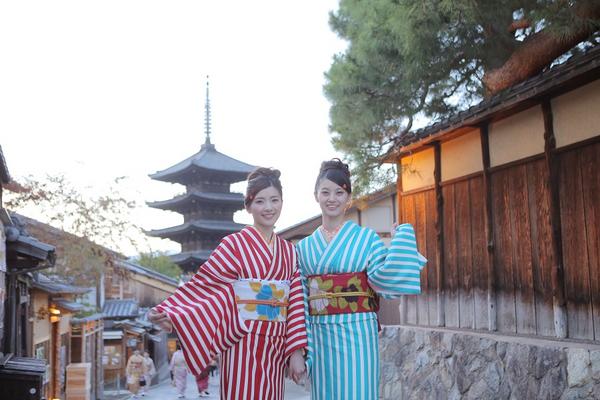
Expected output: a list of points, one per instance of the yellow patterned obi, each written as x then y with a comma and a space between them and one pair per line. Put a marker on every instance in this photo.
263, 300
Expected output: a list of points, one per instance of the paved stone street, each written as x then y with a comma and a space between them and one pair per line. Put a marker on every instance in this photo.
165, 391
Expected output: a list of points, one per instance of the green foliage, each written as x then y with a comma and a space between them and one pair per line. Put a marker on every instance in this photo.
408, 62
160, 262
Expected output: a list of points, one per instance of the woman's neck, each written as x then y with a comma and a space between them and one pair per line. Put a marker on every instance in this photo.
266, 232
332, 223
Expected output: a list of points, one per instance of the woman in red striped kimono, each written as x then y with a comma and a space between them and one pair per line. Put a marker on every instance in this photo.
245, 303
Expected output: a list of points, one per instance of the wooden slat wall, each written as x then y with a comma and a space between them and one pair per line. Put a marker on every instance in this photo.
479, 253
418, 209
523, 254
580, 215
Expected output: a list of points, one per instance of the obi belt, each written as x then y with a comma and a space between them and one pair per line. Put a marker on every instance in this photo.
340, 294
263, 300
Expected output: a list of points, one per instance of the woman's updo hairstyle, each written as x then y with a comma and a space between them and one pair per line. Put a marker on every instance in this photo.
336, 171
259, 179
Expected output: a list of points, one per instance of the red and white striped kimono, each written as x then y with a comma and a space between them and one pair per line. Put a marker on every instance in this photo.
205, 316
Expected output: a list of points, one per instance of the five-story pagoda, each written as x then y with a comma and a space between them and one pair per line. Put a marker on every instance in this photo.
207, 205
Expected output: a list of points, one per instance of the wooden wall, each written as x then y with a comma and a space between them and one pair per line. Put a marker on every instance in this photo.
522, 246
579, 178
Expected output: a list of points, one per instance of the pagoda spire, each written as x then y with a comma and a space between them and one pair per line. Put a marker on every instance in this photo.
207, 115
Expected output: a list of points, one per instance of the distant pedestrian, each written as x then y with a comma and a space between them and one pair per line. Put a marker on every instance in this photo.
150, 372
135, 372
202, 382
213, 366
180, 371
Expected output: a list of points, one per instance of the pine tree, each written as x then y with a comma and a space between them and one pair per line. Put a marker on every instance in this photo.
410, 61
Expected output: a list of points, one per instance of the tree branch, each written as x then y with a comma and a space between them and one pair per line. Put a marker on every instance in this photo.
519, 24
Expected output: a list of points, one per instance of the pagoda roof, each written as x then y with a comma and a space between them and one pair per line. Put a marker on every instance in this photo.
198, 257
210, 226
236, 199
209, 159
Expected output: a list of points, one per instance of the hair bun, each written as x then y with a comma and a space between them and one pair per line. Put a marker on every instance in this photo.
335, 163
266, 172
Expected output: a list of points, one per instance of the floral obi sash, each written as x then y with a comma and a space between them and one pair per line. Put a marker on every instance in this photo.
340, 294
261, 299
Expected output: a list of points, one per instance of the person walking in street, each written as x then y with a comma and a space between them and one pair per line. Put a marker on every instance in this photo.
245, 302
202, 382
179, 369
135, 372
345, 267
150, 372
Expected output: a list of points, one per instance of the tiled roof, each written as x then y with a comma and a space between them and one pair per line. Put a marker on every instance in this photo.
4, 176
138, 269
235, 199
68, 305
191, 256
207, 158
48, 285
583, 67
89, 318
125, 308
21, 245
199, 225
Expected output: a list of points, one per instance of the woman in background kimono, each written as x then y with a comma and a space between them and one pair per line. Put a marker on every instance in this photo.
179, 370
343, 265
245, 303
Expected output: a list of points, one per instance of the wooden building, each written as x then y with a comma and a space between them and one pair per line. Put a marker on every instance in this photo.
21, 375
87, 348
505, 201
52, 308
127, 280
207, 205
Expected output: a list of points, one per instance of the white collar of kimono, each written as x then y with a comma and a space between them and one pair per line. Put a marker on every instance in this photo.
330, 249
260, 240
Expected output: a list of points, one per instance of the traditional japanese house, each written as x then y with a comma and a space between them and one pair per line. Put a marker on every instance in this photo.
120, 280
207, 205
505, 201
21, 375
87, 347
52, 308
128, 280
126, 330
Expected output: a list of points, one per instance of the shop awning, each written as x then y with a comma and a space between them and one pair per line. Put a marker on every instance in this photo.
155, 338
68, 305
112, 335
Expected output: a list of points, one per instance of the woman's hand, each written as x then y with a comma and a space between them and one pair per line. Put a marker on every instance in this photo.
297, 368
161, 319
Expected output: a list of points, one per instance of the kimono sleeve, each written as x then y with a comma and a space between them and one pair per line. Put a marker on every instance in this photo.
203, 311
396, 271
296, 327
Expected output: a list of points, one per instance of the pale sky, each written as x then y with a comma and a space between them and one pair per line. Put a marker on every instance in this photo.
103, 89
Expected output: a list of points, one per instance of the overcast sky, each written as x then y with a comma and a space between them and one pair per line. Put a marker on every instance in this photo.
103, 89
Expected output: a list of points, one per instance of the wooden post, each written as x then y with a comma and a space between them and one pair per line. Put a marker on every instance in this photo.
489, 227
439, 231
403, 305
558, 285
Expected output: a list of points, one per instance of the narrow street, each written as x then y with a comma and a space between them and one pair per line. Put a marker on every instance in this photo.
165, 391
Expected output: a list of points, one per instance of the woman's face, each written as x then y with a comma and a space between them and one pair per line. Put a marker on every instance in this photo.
266, 208
332, 198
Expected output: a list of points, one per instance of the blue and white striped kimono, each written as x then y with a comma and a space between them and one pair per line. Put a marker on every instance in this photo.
343, 356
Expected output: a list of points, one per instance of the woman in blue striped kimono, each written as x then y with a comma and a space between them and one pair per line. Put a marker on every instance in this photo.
343, 264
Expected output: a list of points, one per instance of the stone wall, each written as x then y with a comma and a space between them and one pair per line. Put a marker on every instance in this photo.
421, 363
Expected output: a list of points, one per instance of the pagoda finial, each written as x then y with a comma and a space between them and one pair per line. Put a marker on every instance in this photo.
207, 115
